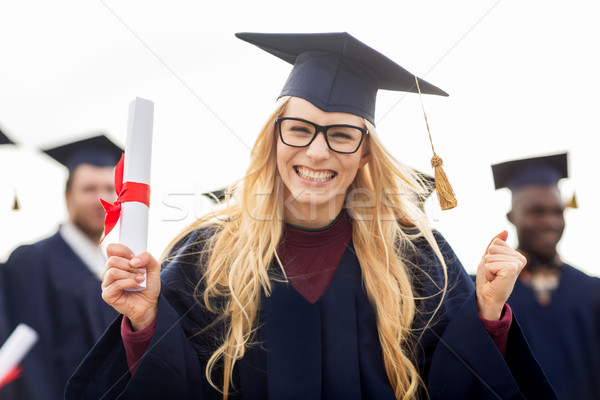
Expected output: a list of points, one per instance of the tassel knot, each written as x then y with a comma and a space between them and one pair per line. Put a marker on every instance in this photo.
436, 161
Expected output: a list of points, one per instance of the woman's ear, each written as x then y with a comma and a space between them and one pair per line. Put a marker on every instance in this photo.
365, 159
366, 155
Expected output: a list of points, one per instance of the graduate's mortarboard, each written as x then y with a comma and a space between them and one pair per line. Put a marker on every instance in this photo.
427, 180
338, 73
428, 183
544, 170
99, 151
6, 140
216, 196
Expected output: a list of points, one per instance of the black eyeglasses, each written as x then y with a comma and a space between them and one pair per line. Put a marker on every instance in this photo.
297, 132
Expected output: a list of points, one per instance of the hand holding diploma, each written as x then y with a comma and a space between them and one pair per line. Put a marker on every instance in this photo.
130, 269
496, 276
121, 278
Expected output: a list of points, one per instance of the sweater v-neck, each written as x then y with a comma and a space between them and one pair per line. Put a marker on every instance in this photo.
310, 257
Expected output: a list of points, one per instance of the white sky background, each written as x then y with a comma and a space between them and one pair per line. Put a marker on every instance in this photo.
522, 78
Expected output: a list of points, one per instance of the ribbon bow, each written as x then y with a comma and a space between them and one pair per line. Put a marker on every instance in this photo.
126, 192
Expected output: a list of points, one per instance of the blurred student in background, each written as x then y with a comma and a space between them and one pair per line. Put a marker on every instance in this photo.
557, 305
54, 285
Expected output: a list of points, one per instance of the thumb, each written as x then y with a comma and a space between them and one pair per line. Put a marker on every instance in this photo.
502, 236
145, 260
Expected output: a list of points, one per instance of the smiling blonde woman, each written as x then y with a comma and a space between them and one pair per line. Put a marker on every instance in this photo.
320, 278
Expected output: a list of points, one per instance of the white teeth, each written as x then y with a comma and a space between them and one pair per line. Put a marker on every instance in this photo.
314, 175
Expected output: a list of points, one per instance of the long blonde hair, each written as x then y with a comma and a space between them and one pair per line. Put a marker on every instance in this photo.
249, 229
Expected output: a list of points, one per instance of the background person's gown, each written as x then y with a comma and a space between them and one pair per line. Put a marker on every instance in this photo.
8, 391
565, 335
49, 288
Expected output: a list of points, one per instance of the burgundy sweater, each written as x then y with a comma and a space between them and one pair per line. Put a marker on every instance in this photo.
310, 259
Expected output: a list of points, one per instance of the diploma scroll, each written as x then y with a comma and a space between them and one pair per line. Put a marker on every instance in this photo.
138, 150
16, 347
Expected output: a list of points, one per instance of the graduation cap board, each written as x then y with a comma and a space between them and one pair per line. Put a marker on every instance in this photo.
216, 196
4, 139
544, 170
338, 73
427, 180
427, 183
99, 151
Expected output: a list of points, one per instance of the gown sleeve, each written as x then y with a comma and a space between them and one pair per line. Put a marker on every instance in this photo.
459, 358
173, 365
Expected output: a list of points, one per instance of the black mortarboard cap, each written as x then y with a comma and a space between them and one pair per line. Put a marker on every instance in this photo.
4, 139
428, 184
544, 170
427, 181
337, 72
99, 151
216, 196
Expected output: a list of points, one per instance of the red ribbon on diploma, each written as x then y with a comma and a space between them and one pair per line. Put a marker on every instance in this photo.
11, 376
126, 192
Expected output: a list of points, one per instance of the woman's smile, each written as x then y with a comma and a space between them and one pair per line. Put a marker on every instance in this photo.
314, 176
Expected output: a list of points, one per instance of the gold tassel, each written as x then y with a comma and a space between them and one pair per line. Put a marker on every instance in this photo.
442, 185
572, 203
444, 190
16, 206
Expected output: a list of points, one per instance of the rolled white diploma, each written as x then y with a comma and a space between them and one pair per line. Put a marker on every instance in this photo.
138, 151
16, 347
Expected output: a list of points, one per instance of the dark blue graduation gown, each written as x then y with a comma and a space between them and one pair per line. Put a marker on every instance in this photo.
8, 391
326, 350
4, 324
565, 335
49, 288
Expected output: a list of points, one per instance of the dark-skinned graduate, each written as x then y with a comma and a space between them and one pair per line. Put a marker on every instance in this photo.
558, 306
54, 285
333, 286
